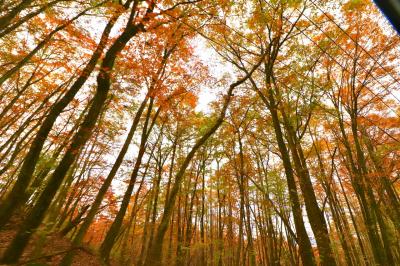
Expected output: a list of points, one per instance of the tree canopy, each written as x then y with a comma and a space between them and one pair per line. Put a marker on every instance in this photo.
200, 132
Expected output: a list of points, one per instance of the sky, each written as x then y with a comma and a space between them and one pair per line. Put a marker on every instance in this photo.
219, 69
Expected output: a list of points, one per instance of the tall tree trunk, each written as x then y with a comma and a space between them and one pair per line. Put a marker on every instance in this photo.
112, 233
16, 196
154, 257
315, 215
35, 217
67, 260
302, 237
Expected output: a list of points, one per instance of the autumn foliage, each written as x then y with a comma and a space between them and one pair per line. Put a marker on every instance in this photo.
201, 132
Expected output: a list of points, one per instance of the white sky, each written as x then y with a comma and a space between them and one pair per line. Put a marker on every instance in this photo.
217, 68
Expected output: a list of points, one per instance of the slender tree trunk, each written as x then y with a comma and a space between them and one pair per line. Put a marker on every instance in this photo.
302, 237
103, 189
315, 215
112, 233
154, 257
16, 196
35, 217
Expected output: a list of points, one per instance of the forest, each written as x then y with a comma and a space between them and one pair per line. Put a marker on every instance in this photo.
199, 132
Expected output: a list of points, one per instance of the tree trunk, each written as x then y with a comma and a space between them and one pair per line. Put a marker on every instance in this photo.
36, 215
154, 257
16, 196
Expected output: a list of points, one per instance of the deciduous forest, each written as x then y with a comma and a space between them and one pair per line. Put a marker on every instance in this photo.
199, 132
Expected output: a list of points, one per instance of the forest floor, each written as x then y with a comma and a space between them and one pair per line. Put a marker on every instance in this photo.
50, 253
